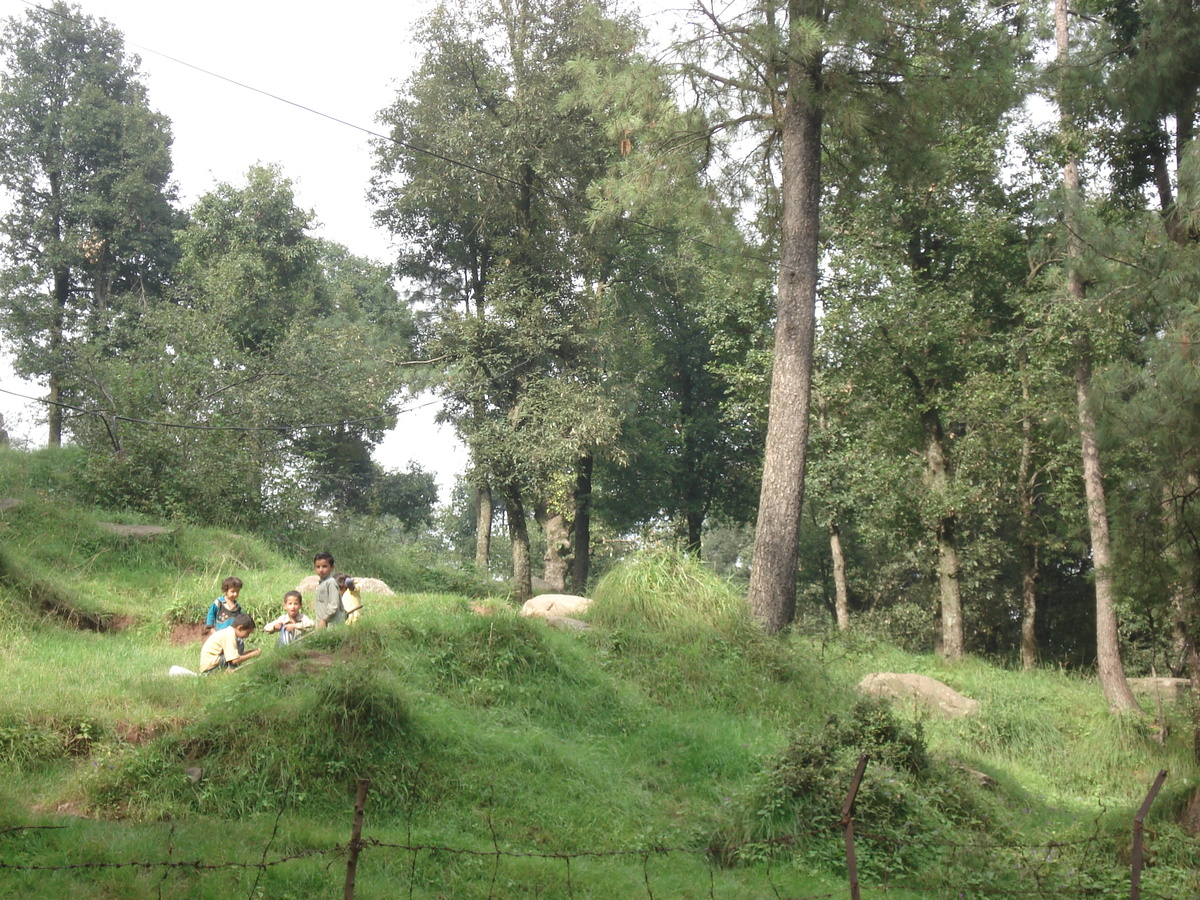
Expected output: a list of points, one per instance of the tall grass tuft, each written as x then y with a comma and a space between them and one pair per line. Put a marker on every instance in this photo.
668, 590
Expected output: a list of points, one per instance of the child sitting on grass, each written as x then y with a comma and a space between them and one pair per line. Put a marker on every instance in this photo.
225, 607
350, 597
226, 647
293, 623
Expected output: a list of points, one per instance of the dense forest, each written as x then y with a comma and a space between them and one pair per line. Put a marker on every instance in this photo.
884, 307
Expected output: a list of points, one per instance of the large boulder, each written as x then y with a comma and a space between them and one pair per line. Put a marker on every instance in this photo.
545, 605
1169, 690
308, 585
922, 690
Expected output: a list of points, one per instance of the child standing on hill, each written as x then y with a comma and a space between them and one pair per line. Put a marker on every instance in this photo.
226, 647
225, 607
327, 605
293, 623
351, 598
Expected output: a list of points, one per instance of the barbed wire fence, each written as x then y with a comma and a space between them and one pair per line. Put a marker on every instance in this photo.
1033, 866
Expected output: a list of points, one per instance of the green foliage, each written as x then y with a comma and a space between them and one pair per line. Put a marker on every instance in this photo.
87, 165
257, 396
799, 797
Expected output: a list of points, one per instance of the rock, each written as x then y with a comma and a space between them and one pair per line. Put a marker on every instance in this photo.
308, 586
135, 530
195, 774
373, 586
545, 605
1171, 690
566, 623
980, 778
10, 503
926, 691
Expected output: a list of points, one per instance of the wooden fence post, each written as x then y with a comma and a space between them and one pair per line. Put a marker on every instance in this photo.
355, 838
848, 825
1135, 879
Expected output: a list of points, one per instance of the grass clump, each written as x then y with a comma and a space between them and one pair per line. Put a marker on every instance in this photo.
795, 805
667, 590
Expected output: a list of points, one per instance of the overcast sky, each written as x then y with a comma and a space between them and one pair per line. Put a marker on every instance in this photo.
341, 61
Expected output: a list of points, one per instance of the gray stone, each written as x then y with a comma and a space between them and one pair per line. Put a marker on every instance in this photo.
545, 605
922, 690
1171, 690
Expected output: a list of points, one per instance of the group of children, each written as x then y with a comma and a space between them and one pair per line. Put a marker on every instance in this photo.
227, 627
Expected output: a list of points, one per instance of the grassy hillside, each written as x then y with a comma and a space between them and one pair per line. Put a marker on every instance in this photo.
669, 751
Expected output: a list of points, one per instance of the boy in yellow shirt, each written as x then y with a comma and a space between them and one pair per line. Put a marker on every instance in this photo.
226, 648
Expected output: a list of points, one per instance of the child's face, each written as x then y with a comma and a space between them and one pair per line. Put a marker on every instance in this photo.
291, 606
323, 567
231, 596
243, 631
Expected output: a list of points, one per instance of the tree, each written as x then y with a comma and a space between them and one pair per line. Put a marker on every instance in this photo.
246, 420
1108, 648
801, 71
87, 165
493, 223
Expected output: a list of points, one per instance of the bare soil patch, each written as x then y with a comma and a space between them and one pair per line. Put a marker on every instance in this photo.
312, 659
138, 733
182, 635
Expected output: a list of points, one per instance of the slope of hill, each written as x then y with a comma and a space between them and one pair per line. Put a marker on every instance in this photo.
671, 750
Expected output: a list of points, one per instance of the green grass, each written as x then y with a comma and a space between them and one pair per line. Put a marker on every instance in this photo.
520, 761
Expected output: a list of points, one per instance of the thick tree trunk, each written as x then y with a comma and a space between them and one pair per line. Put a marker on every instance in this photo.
772, 593
582, 561
483, 528
558, 546
1108, 643
518, 533
62, 297
1108, 648
1027, 488
841, 595
937, 479
950, 590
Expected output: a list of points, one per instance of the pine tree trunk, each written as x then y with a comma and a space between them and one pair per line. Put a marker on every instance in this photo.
772, 593
841, 595
1108, 643
1108, 648
1027, 488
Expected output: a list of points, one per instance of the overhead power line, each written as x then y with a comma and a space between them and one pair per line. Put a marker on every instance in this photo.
449, 160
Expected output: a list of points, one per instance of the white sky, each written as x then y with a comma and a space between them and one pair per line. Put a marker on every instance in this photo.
344, 60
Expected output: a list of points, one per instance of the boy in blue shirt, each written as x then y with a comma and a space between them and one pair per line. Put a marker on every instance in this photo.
225, 607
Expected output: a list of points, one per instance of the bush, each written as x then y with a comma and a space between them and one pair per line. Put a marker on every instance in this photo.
798, 797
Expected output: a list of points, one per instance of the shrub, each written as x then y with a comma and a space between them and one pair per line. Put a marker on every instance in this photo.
798, 798
667, 589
